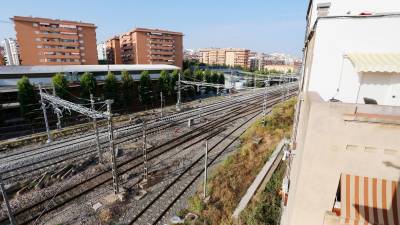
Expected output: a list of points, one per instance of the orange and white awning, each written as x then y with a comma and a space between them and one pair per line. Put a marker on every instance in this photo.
369, 201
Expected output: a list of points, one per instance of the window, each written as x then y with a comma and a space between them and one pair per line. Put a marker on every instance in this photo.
323, 9
36, 32
37, 39
39, 46
35, 25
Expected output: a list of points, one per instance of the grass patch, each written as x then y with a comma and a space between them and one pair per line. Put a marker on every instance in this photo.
230, 180
266, 209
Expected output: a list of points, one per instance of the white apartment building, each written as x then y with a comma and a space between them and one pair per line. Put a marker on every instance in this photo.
11, 51
345, 155
102, 51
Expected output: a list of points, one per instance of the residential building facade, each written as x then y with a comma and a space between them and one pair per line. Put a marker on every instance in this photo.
102, 51
113, 50
11, 52
147, 46
45, 41
233, 57
345, 157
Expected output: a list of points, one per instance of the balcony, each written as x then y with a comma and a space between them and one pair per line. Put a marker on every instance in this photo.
162, 37
59, 43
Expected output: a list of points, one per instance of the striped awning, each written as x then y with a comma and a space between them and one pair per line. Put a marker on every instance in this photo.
375, 62
369, 201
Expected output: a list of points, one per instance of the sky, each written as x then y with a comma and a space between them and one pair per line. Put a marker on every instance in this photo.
259, 25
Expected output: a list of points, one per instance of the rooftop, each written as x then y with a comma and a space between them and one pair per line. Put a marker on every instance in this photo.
81, 68
47, 20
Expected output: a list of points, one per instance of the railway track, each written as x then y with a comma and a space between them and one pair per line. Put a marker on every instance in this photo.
153, 213
157, 122
28, 214
88, 148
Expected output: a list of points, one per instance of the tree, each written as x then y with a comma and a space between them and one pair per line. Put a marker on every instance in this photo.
221, 78
198, 74
145, 88
214, 77
207, 76
187, 74
164, 82
26, 96
127, 88
60, 84
173, 80
88, 84
111, 87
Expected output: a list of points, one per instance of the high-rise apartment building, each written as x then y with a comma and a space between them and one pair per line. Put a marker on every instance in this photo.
55, 42
101, 51
11, 52
113, 50
225, 56
147, 46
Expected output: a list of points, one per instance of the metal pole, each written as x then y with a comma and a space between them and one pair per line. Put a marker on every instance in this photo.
5, 199
57, 111
96, 130
200, 110
145, 169
265, 100
112, 147
232, 84
205, 170
49, 139
178, 103
255, 80
161, 96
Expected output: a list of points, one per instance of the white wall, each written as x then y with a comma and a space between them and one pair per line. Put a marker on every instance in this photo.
334, 38
355, 7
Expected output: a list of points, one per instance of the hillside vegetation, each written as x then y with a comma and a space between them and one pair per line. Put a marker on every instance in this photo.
230, 180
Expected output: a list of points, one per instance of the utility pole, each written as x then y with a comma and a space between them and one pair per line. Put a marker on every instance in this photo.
265, 100
232, 84
5, 199
287, 87
49, 139
161, 96
145, 168
200, 110
255, 81
112, 147
205, 171
96, 130
57, 110
178, 102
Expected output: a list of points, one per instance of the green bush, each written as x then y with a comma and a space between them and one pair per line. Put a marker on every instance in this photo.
127, 88
60, 84
196, 204
145, 88
26, 96
88, 85
164, 83
111, 87
266, 210
174, 79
